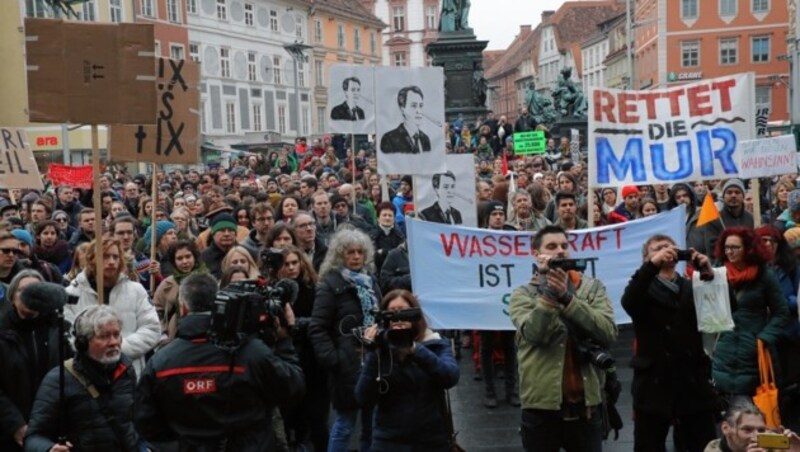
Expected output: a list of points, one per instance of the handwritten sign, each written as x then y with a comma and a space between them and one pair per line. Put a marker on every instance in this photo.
17, 165
684, 133
768, 157
530, 143
90, 73
175, 137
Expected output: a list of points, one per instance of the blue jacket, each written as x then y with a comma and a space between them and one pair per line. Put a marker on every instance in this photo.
789, 286
408, 397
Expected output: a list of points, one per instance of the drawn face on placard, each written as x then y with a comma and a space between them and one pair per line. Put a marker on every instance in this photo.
446, 190
412, 110
353, 92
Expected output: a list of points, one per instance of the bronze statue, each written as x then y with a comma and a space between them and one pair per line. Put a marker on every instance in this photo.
539, 106
568, 97
479, 87
454, 15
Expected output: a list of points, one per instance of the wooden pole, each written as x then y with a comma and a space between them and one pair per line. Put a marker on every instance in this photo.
97, 201
153, 232
353, 147
755, 190
590, 206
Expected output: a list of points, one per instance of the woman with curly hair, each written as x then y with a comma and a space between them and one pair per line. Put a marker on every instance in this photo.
185, 259
346, 295
760, 311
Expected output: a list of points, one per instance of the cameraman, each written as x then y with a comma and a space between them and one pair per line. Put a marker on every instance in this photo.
405, 379
561, 389
211, 398
671, 372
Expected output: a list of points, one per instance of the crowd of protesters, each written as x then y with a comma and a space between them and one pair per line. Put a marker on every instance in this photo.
340, 228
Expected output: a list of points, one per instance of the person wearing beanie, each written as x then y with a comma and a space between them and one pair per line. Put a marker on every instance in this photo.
790, 217
223, 238
626, 211
732, 213
404, 196
166, 236
28, 259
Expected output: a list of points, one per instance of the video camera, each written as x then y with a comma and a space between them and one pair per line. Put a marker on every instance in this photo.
395, 338
251, 307
579, 265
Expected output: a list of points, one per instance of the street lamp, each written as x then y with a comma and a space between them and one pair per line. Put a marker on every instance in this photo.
297, 51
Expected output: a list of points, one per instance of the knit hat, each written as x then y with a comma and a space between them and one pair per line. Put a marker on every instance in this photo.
794, 200
792, 235
629, 190
408, 179
162, 227
494, 206
59, 213
221, 222
733, 183
30, 197
23, 236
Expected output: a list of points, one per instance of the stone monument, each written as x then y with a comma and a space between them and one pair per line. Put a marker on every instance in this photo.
459, 52
568, 108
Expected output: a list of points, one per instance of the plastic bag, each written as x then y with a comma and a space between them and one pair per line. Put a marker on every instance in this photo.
712, 302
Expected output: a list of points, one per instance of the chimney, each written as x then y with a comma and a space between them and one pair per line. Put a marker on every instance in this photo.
546, 15
524, 29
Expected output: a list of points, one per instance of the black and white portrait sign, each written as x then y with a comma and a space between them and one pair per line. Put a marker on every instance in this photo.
351, 103
410, 118
448, 196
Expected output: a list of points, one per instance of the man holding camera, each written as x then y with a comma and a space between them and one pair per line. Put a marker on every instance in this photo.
671, 372
209, 397
558, 314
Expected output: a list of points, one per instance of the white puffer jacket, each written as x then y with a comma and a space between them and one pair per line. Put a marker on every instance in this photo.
140, 328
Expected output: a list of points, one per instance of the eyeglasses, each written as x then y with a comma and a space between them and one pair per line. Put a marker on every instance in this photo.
62, 220
732, 248
10, 251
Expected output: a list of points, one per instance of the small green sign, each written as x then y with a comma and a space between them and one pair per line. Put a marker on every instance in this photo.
530, 143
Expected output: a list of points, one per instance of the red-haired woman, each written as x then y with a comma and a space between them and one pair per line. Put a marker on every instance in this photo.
761, 311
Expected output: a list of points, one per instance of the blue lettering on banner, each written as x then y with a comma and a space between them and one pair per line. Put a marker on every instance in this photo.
633, 162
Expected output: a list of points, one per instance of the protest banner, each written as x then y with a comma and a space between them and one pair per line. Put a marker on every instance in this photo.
175, 137
17, 165
74, 176
683, 133
456, 195
766, 157
526, 143
90, 73
351, 103
410, 117
464, 276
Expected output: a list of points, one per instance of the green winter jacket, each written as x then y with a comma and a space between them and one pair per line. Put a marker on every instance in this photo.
761, 312
542, 335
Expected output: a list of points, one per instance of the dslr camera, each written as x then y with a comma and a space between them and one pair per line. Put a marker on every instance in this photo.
579, 265
394, 338
596, 354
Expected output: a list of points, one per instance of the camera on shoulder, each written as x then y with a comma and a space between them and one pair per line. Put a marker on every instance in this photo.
401, 338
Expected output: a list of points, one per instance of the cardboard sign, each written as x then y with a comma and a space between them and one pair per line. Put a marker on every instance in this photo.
17, 166
664, 136
530, 143
90, 73
767, 157
175, 137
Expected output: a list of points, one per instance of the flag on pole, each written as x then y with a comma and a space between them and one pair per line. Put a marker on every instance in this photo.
708, 212
505, 164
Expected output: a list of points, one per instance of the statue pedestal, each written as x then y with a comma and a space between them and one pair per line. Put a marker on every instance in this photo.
461, 55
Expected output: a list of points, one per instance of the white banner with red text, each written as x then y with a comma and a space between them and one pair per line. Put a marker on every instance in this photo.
684, 133
464, 276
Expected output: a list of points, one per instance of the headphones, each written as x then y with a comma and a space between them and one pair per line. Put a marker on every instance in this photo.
80, 343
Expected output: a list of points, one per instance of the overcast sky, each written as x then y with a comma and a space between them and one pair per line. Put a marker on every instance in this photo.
498, 21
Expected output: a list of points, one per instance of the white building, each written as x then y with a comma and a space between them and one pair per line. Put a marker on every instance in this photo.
247, 80
594, 52
413, 24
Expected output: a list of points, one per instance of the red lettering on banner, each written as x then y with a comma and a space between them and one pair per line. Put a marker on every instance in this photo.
475, 247
603, 103
489, 247
699, 100
627, 108
199, 386
505, 245
486, 246
650, 103
724, 88
448, 245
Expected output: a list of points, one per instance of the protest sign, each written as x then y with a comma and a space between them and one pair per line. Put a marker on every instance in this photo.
446, 199
90, 73
351, 103
464, 276
17, 165
530, 143
767, 157
175, 137
684, 133
410, 117
74, 176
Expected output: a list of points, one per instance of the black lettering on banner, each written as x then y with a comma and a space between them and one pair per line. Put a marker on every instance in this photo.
140, 136
12, 148
176, 74
166, 112
491, 275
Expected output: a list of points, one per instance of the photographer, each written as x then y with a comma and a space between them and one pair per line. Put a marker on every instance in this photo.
671, 372
404, 378
29, 341
556, 315
210, 397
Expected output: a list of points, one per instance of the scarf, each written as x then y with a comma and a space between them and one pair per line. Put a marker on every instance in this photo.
366, 295
179, 276
386, 231
737, 277
665, 292
55, 254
